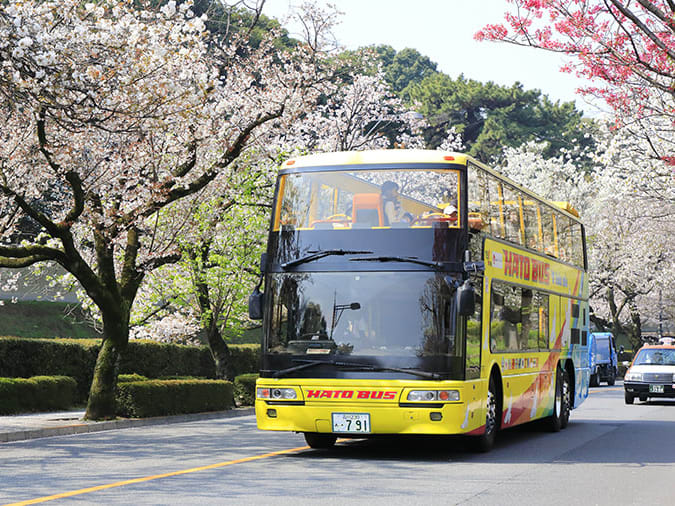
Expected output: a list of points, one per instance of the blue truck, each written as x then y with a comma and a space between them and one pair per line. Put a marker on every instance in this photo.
603, 358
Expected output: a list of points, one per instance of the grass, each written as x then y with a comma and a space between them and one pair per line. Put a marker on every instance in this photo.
44, 319
40, 319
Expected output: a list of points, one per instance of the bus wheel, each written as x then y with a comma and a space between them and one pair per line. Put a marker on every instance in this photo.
567, 400
561, 405
486, 441
612, 378
318, 441
594, 382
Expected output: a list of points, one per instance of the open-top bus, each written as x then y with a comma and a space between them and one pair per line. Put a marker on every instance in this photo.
417, 292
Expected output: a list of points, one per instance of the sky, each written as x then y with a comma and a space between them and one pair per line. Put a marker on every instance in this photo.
443, 30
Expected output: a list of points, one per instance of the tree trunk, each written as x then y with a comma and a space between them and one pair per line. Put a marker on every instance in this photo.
101, 404
220, 353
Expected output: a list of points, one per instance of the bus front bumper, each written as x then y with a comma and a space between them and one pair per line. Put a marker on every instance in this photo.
448, 418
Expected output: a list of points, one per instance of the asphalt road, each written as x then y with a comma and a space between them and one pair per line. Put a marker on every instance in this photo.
610, 454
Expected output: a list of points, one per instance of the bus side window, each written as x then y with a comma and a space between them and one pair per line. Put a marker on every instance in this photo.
496, 206
512, 216
542, 309
505, 317
473, 332
564, 237
478, 197
534, 332
531, 217
547, 231
577, 245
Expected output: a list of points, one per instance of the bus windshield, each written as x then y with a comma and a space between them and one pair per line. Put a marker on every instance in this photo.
342, 200
402, 320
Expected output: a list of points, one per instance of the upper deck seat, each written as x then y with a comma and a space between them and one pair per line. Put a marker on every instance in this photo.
367, 210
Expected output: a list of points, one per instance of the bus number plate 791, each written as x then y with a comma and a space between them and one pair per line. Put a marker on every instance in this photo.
355, 423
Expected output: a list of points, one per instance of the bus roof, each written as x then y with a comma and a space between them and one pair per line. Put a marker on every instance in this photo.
376, 157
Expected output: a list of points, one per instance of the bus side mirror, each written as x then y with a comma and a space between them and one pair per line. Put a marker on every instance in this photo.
263, 263
466, 299
255, 300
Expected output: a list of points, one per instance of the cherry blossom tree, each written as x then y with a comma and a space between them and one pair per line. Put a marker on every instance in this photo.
625, 49
628, 207
633, 221
209, 288
358, 111
113, 116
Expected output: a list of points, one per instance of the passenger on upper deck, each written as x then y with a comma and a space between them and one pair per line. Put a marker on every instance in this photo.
450, 211
393, 211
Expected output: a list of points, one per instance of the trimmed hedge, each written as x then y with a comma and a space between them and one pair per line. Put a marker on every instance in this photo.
23, 358
39, 393
126, 378
141, 399
244, 389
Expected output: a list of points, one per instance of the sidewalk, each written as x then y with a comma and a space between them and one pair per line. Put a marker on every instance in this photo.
61, 423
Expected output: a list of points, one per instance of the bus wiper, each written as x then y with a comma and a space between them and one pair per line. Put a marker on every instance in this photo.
320, 254
412, 260
306, 365
356, 366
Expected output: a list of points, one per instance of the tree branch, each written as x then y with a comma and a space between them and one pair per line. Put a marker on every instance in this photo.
668, 21
643, 28
174, 192
156, 262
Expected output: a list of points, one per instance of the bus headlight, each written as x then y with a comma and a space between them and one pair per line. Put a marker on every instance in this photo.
433, 395
276, 393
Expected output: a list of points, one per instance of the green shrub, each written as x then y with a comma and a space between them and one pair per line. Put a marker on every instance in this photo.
126, 378
245, 358
182, 378
154, 360
244, 389
38, 393
140, 399
23, 358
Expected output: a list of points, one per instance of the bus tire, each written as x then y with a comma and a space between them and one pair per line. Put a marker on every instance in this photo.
486, 441
561, 407
594, 381
567, 399
612, 378
320, 441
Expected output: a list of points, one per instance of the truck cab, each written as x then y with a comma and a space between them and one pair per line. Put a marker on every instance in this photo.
602, 358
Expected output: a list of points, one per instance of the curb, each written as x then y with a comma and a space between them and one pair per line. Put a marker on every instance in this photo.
123, 423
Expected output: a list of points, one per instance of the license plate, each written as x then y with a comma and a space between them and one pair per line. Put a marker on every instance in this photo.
355, 423
656, 389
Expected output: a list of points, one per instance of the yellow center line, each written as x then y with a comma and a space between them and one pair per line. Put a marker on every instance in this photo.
155, 477
615, 389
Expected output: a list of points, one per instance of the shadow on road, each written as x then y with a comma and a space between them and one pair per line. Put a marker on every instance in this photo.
629, 443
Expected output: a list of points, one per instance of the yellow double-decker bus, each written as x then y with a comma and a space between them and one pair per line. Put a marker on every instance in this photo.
418, 292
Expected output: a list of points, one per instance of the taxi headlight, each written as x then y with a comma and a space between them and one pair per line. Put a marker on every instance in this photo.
276, 393
433, 395
633, 376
